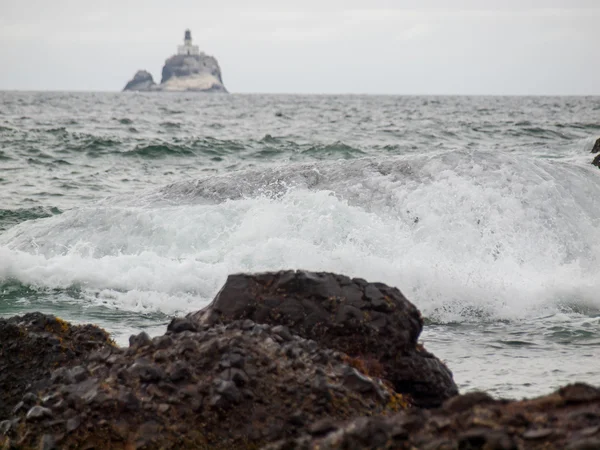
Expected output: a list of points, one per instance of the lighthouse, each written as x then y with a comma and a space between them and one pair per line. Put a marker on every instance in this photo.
187, 48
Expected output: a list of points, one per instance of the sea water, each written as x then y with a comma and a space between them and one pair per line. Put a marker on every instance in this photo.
127, 209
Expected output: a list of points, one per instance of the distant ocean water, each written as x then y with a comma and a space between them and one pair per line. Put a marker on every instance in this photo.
125, 210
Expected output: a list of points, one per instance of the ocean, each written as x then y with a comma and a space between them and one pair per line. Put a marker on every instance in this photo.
127, 209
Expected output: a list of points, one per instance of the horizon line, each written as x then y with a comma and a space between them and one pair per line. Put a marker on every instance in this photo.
378, 94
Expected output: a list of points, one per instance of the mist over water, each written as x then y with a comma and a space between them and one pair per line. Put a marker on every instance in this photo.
125, 210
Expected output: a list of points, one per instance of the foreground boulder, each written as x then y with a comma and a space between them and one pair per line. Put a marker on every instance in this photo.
371, 322
33, 345
568, 419
224, 387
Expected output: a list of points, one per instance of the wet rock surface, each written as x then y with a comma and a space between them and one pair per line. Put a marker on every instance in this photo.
224, 387
566, 419
287, 360
371, 322
33, 345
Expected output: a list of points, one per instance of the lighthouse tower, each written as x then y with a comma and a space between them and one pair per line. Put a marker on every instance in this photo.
187, 48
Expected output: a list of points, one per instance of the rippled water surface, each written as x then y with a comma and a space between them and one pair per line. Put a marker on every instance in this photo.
127, 209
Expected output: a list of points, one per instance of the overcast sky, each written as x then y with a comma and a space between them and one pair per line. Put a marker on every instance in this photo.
310, 46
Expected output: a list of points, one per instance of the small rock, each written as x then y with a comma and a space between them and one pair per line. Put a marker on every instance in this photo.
76, 375
356, 381
179, 371
18, 407
162, 342
38, 413
48, 442
147, 373
466, 401
282, 331
140, 340
51, 399
579, 392
538, 434
73, 423
128, 400
585, 444
181, 324
163, 408
160, 355
30, 398
238, 377
248, 324
7, 425
322, 427
228, 390
590, 431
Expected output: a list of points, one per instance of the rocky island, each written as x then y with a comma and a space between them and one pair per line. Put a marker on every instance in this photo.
190, 70
290, 360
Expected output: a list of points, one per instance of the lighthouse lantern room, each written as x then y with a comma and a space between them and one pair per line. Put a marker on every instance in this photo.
187, 48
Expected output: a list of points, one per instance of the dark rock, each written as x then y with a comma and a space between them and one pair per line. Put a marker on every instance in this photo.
322, 427
7, 425
223, 382
181, 324
579, 392
484, 438
476, 422
227, 387
30, 398
73, 423
464, 402
34, 344
357, 381
228, 390
48, 442
77, 374
179, 371
141, 81
147, 372
38, 413
584, 444
596, 149
282, 331
139, 340
538, 433
371, 322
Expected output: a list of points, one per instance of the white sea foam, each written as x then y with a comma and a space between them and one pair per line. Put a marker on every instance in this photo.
465, 236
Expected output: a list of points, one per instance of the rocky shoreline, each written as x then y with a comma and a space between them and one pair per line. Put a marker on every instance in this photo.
286, 360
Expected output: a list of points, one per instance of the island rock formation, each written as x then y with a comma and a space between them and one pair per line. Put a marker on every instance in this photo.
188, 71
142, 81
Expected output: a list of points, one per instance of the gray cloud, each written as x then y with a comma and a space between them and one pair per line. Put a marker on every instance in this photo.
327, 46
